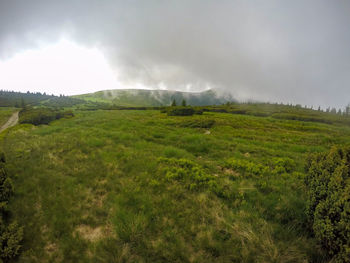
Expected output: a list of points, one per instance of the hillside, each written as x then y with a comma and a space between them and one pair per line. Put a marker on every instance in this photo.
138, 97
217, 187
21, 99
17, 99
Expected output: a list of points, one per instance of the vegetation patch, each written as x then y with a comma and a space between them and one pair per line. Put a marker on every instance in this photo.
277, 166
11, 234
328, 182
42, 115
198, 123
186, 172
89, 233
180, 111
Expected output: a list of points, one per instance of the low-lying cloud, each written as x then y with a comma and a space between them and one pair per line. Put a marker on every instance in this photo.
289, 51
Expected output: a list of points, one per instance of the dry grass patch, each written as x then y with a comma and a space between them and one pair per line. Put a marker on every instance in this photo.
53, 158
51, 248
90, 233
231, 172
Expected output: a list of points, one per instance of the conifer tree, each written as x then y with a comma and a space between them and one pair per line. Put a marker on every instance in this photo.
347, 110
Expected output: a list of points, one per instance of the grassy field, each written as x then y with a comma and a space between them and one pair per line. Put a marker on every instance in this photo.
5, 114
141, 186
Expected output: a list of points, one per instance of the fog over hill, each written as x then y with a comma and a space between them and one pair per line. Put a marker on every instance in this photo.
283, 51
140, 97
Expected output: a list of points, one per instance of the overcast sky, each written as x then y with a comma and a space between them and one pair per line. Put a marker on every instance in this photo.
272, 50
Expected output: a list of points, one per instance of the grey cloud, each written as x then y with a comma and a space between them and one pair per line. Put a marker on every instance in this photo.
290, 51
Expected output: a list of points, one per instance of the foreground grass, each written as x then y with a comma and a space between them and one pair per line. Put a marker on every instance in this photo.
93, 189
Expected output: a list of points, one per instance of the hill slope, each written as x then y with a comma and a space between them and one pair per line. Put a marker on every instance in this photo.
138, 97
215, 187
19, 99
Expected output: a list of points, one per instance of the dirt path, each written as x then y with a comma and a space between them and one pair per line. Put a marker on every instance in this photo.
12, 121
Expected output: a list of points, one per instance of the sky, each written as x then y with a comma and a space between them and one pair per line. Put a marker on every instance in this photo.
268, 50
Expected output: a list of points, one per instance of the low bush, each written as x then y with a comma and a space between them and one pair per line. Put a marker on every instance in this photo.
238, 111
276, 166
198, 111
64, 114
10, 240
301, 117
6, 188
42, 115
282, 165
180, 111
11, 234
198, 123
328, 211
247, 168
187, 172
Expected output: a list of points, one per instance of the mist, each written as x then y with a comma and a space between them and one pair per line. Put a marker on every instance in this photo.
276, 51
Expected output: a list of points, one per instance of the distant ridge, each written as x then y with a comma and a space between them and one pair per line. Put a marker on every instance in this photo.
141, 97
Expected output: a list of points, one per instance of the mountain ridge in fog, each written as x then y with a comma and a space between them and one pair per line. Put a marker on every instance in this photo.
143, 97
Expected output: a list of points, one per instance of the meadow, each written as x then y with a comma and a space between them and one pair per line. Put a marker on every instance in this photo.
5, 114
141, 186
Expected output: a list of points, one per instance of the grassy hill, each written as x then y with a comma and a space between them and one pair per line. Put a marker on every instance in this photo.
141, 186
129, 97
20, 99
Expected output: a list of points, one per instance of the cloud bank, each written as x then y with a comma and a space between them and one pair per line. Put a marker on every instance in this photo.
291, 51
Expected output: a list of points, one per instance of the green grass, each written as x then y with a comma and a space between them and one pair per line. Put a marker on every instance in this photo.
5, 114
96, 187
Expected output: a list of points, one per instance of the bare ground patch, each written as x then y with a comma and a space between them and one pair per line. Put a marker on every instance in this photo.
93, 234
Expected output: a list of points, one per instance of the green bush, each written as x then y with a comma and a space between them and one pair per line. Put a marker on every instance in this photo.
198, 111
328, 183
64, 114
42, 115
187, 172
301, 117
10, 234
180, 111
10, 240
277, 166
6, 188
198, 123
282, 165
247, 167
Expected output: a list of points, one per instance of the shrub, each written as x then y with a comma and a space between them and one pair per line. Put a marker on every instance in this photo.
180, 111
198, 123
282, 165
6, 188
10, 240
42, 115
300, 117
198, 111
10, 234
328, 211
64, 114
277, 166
188, 172
247, 167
